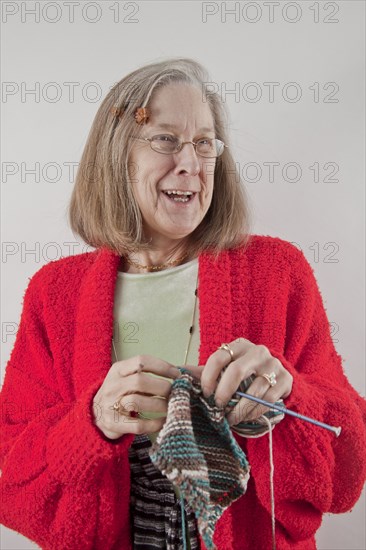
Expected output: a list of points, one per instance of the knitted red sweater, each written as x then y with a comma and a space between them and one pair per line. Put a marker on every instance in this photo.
66, 486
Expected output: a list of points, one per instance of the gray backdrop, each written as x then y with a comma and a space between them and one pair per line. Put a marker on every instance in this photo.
292, 74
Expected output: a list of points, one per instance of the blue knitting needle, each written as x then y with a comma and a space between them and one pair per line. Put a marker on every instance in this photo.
336, 430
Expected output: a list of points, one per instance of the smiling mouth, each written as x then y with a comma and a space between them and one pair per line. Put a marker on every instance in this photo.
180, 196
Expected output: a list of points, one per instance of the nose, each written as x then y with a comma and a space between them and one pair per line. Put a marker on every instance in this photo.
187, 160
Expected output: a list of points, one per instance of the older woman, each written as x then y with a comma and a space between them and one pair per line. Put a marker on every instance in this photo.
176, 280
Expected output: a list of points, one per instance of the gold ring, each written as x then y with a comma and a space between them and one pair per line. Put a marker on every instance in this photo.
227, 348
118, 407
271, 378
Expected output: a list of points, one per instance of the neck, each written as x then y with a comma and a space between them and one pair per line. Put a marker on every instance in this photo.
155, 260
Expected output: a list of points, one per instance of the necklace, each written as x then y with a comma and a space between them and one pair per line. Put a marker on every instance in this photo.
190, 330
155, 267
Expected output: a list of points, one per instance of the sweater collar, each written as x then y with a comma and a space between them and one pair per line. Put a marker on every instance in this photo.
94, 317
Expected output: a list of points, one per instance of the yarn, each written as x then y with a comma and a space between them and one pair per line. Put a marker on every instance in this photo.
271, 483
184, 534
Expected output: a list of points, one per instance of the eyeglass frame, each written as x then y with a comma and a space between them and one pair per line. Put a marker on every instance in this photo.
181, 143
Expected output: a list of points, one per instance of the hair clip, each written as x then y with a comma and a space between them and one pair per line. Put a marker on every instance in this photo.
116, 111
141, 115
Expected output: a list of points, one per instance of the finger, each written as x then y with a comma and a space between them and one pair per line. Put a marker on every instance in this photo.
247, 364
135, 408
217, 362
149, 426
123, 369
141, 426
211, 371
237, 371
241, 412
154, 407
146, 383
247, 410
147, 363
157, 376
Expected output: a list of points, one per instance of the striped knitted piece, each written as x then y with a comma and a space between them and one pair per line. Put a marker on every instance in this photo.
196, 451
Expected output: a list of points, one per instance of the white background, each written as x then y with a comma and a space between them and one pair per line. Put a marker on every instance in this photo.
316, 46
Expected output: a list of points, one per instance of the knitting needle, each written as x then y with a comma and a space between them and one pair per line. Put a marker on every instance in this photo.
336, 430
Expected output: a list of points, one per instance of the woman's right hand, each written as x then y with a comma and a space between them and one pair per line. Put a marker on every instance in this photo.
133, 384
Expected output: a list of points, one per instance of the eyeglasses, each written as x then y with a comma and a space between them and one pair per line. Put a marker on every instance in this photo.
168, 145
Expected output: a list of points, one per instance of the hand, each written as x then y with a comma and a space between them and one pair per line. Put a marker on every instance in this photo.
249, 359
133, 384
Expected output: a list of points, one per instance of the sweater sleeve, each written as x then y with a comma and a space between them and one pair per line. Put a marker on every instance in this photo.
315, 472
56, 465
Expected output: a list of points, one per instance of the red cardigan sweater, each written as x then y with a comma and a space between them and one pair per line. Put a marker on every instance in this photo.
65, 486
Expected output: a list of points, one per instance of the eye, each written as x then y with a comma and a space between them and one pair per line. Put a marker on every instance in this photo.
165, 137
205, 140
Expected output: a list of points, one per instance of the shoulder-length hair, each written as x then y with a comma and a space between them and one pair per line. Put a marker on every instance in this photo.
102, 207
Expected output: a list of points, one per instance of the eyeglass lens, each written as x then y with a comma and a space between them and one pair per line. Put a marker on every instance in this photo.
170, 144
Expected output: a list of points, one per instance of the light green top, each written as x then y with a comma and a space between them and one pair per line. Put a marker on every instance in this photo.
153, 312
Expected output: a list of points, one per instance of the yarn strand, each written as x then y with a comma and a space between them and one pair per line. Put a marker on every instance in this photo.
271, 483
184, 535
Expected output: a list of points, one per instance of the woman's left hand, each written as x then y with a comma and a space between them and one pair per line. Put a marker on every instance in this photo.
249, 359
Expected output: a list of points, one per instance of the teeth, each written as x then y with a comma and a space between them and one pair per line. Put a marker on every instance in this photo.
180, 199
187, 193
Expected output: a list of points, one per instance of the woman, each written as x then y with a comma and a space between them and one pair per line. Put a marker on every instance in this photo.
176, 279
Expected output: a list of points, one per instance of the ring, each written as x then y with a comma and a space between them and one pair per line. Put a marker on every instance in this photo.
271, 378
118, 407
227, 348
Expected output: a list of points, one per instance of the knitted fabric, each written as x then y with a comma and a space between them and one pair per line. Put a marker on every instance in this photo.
197, 452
